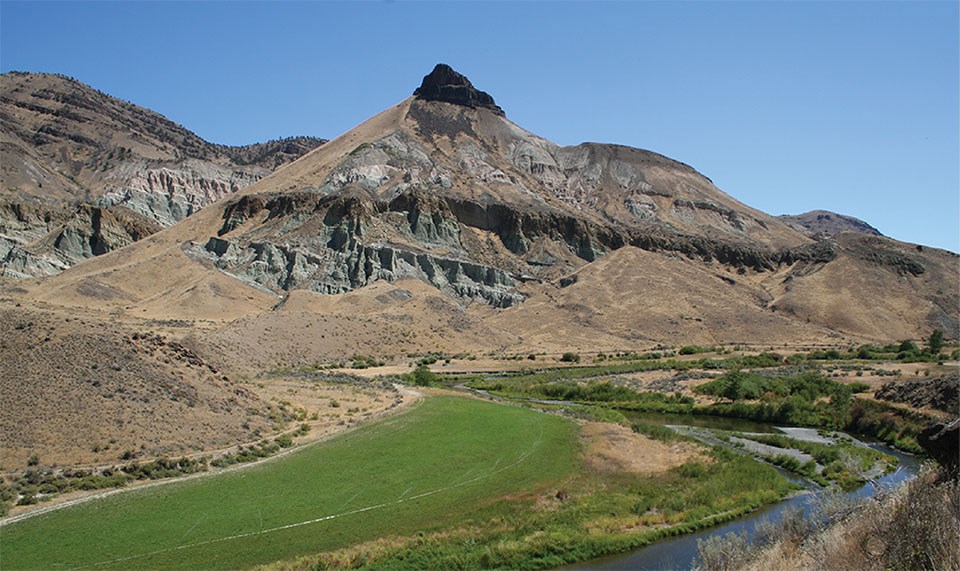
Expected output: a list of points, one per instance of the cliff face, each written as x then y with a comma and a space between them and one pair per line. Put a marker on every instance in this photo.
168, 194
64, 144
45, 242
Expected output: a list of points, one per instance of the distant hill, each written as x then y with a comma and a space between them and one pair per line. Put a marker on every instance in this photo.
83, 173
826, 224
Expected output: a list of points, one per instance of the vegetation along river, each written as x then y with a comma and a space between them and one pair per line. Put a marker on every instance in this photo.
681, 552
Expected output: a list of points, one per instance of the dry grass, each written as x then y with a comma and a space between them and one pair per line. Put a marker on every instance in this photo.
643, 297
86, 391
616, 448
382, 320
916, 526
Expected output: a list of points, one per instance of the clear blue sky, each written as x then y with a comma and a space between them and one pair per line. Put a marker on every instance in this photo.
789, 107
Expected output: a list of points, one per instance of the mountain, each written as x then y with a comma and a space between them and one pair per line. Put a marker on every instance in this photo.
824, 224
519, 244
82, 173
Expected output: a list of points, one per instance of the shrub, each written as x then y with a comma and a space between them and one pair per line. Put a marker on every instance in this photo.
570, 357
908, 346
430, 359
723, 553
364, 362
656, 432
28, 500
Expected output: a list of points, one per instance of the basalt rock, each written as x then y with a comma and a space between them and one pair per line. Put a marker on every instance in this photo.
445, 84
942, 442
941, 393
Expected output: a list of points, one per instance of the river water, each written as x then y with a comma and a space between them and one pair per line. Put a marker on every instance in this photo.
681, 552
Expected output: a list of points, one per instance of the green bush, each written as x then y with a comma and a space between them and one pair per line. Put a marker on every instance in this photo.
422, 376
570, 357
364, 362
695, 349
895, 426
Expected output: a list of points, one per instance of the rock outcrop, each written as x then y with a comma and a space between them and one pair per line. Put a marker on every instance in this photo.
64, 145
941, 393
942, 442
348, 246
169, 194
88, 231
445, 84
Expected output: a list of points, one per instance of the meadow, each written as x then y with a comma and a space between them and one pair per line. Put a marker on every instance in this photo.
416, 472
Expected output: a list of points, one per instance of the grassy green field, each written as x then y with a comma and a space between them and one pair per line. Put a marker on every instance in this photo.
421, 471
603, 513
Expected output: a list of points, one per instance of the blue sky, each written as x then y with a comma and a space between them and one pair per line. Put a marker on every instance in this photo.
789, 107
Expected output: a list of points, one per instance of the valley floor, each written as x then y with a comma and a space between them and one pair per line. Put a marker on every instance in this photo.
455, 481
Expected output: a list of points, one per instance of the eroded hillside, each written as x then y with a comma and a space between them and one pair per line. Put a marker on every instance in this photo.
71, 156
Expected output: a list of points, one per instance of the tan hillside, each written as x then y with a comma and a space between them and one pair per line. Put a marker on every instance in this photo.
876, 288
83, 390
383, 320
633, 297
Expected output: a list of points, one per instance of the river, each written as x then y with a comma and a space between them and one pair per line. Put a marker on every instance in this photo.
681, 552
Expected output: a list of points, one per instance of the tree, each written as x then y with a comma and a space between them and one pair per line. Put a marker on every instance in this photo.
734, 389
935, 342
423, 376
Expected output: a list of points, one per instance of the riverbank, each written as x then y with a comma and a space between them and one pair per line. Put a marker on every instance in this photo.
914, 526
755, 529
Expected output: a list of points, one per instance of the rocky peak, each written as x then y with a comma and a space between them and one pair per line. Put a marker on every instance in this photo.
445, 84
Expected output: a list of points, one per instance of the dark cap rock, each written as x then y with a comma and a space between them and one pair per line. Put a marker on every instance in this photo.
445, 84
